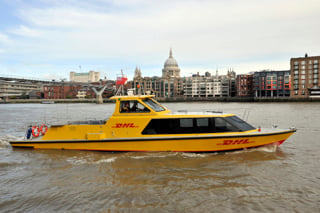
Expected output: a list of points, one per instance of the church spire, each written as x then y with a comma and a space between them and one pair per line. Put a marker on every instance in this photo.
137, 72
170, 53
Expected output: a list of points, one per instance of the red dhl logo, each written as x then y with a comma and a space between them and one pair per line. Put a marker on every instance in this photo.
125, 125
233, 142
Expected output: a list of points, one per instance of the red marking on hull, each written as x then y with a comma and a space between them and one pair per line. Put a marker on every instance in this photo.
278, 143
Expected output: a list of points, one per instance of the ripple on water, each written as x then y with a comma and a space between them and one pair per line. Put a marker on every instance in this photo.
4, 140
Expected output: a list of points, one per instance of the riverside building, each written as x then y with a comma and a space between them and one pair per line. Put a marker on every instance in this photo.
172, 85
23, 88
208, 85
85, 77
305, 75
167, 86
271, 83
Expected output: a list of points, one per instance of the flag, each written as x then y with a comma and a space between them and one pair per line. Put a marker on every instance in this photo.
121, 80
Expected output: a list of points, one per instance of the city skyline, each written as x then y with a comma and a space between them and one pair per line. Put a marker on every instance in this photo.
48, 39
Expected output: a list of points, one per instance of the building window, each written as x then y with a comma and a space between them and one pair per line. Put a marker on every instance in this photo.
303, 62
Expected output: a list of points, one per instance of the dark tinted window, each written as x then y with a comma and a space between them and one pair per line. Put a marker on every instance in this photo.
196, 125
221, 125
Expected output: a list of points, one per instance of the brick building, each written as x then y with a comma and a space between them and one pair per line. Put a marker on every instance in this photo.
244, 84
305, 76
76, 90
61, 91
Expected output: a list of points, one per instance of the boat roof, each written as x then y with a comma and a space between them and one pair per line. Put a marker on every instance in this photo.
211, 113
131, 97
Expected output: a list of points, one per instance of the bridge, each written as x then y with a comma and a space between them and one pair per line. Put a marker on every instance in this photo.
23, 79
11, 85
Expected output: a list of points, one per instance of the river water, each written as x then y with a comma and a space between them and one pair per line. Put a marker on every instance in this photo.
286, 179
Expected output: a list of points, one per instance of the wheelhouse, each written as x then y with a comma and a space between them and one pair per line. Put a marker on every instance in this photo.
138, 104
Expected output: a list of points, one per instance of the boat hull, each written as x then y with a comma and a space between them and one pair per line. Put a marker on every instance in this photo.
195, 143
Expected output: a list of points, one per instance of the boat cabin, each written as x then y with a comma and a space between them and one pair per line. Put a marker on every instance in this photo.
161, 121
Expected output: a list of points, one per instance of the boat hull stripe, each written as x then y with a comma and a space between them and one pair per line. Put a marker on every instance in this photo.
150, 138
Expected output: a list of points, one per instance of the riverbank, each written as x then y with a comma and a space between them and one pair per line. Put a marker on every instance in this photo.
177, 99
241, 99
51, 101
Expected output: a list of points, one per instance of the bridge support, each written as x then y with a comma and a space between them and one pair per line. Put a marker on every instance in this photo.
99, 99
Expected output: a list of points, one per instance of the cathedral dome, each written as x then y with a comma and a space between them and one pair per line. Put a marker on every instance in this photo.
171, 62
171, 68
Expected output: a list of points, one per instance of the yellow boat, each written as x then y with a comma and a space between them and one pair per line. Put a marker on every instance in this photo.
139, 123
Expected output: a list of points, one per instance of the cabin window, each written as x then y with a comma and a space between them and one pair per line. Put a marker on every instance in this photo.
221, 125
196, 125
132, 107
153, 105
202, 122
186, 122
239, 123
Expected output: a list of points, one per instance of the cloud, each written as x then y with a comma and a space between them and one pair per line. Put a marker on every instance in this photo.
26, 31
203, 34
4, 39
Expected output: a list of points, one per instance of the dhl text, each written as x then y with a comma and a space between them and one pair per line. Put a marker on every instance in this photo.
233, 142
124, 125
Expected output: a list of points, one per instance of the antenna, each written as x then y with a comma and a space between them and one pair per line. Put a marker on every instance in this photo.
121, 80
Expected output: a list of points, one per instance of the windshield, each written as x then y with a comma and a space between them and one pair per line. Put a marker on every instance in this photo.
240, 124
153, 105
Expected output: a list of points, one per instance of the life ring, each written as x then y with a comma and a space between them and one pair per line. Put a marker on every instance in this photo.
43, 129
35, 131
